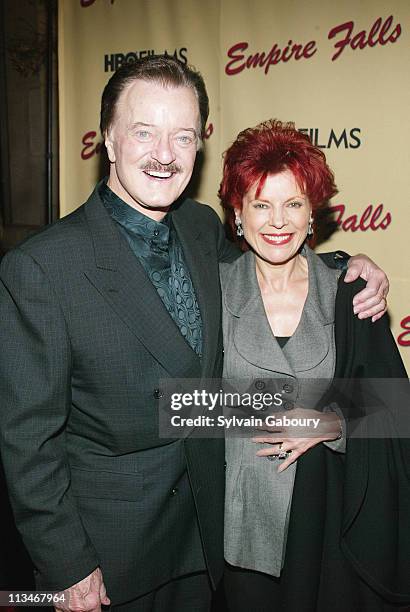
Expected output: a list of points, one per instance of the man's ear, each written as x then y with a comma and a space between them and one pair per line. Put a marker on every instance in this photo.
109, 145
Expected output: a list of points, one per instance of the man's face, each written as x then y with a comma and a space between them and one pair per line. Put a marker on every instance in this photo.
152, 145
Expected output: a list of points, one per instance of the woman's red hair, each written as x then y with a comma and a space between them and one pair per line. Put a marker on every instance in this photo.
269, 148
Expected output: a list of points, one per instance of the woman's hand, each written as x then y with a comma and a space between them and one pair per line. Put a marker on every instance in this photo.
297, 439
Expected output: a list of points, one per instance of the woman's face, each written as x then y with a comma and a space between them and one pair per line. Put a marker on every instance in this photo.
276, 223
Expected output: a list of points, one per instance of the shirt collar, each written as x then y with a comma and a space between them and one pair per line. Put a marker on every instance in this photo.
156, 233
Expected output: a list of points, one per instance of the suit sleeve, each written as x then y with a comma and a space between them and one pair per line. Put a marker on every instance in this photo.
336, 260
35, 401
227, 251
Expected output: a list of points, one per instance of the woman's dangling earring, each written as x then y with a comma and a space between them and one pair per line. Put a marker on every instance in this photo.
239, 228
310, 228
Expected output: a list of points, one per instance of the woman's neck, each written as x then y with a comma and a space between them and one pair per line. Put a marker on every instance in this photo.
280, 276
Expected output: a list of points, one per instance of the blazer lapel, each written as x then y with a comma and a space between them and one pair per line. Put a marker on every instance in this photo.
122, 281
253, 336
204, 273
309, 344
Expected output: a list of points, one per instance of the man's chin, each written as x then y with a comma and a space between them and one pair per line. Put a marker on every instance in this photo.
154, 206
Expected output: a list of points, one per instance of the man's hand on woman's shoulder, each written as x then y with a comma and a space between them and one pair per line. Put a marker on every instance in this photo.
371, 301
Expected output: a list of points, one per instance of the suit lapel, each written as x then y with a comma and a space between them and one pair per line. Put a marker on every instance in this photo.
204, 274
121, 280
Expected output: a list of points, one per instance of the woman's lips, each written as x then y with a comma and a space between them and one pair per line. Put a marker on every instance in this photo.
277, 239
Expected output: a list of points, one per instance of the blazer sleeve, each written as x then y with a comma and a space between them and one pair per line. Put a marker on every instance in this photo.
35, 401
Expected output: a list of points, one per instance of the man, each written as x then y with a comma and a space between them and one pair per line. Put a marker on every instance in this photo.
94, 312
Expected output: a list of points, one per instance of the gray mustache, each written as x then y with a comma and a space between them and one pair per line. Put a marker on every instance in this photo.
155, 167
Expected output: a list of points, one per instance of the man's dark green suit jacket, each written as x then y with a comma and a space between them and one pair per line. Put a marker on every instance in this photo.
85, 340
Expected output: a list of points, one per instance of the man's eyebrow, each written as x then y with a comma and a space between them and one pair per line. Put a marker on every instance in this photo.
178, 129
141, 124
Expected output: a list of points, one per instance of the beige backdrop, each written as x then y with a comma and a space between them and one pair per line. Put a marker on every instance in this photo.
339, 71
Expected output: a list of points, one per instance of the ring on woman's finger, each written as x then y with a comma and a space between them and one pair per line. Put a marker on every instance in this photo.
284, 454
281, 455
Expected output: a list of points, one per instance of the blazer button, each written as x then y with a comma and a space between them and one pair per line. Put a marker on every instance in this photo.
259, 384
288, 405
174, 490
225, 465
287, 388
158, 393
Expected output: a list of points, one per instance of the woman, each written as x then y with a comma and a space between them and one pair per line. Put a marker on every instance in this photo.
310, 535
